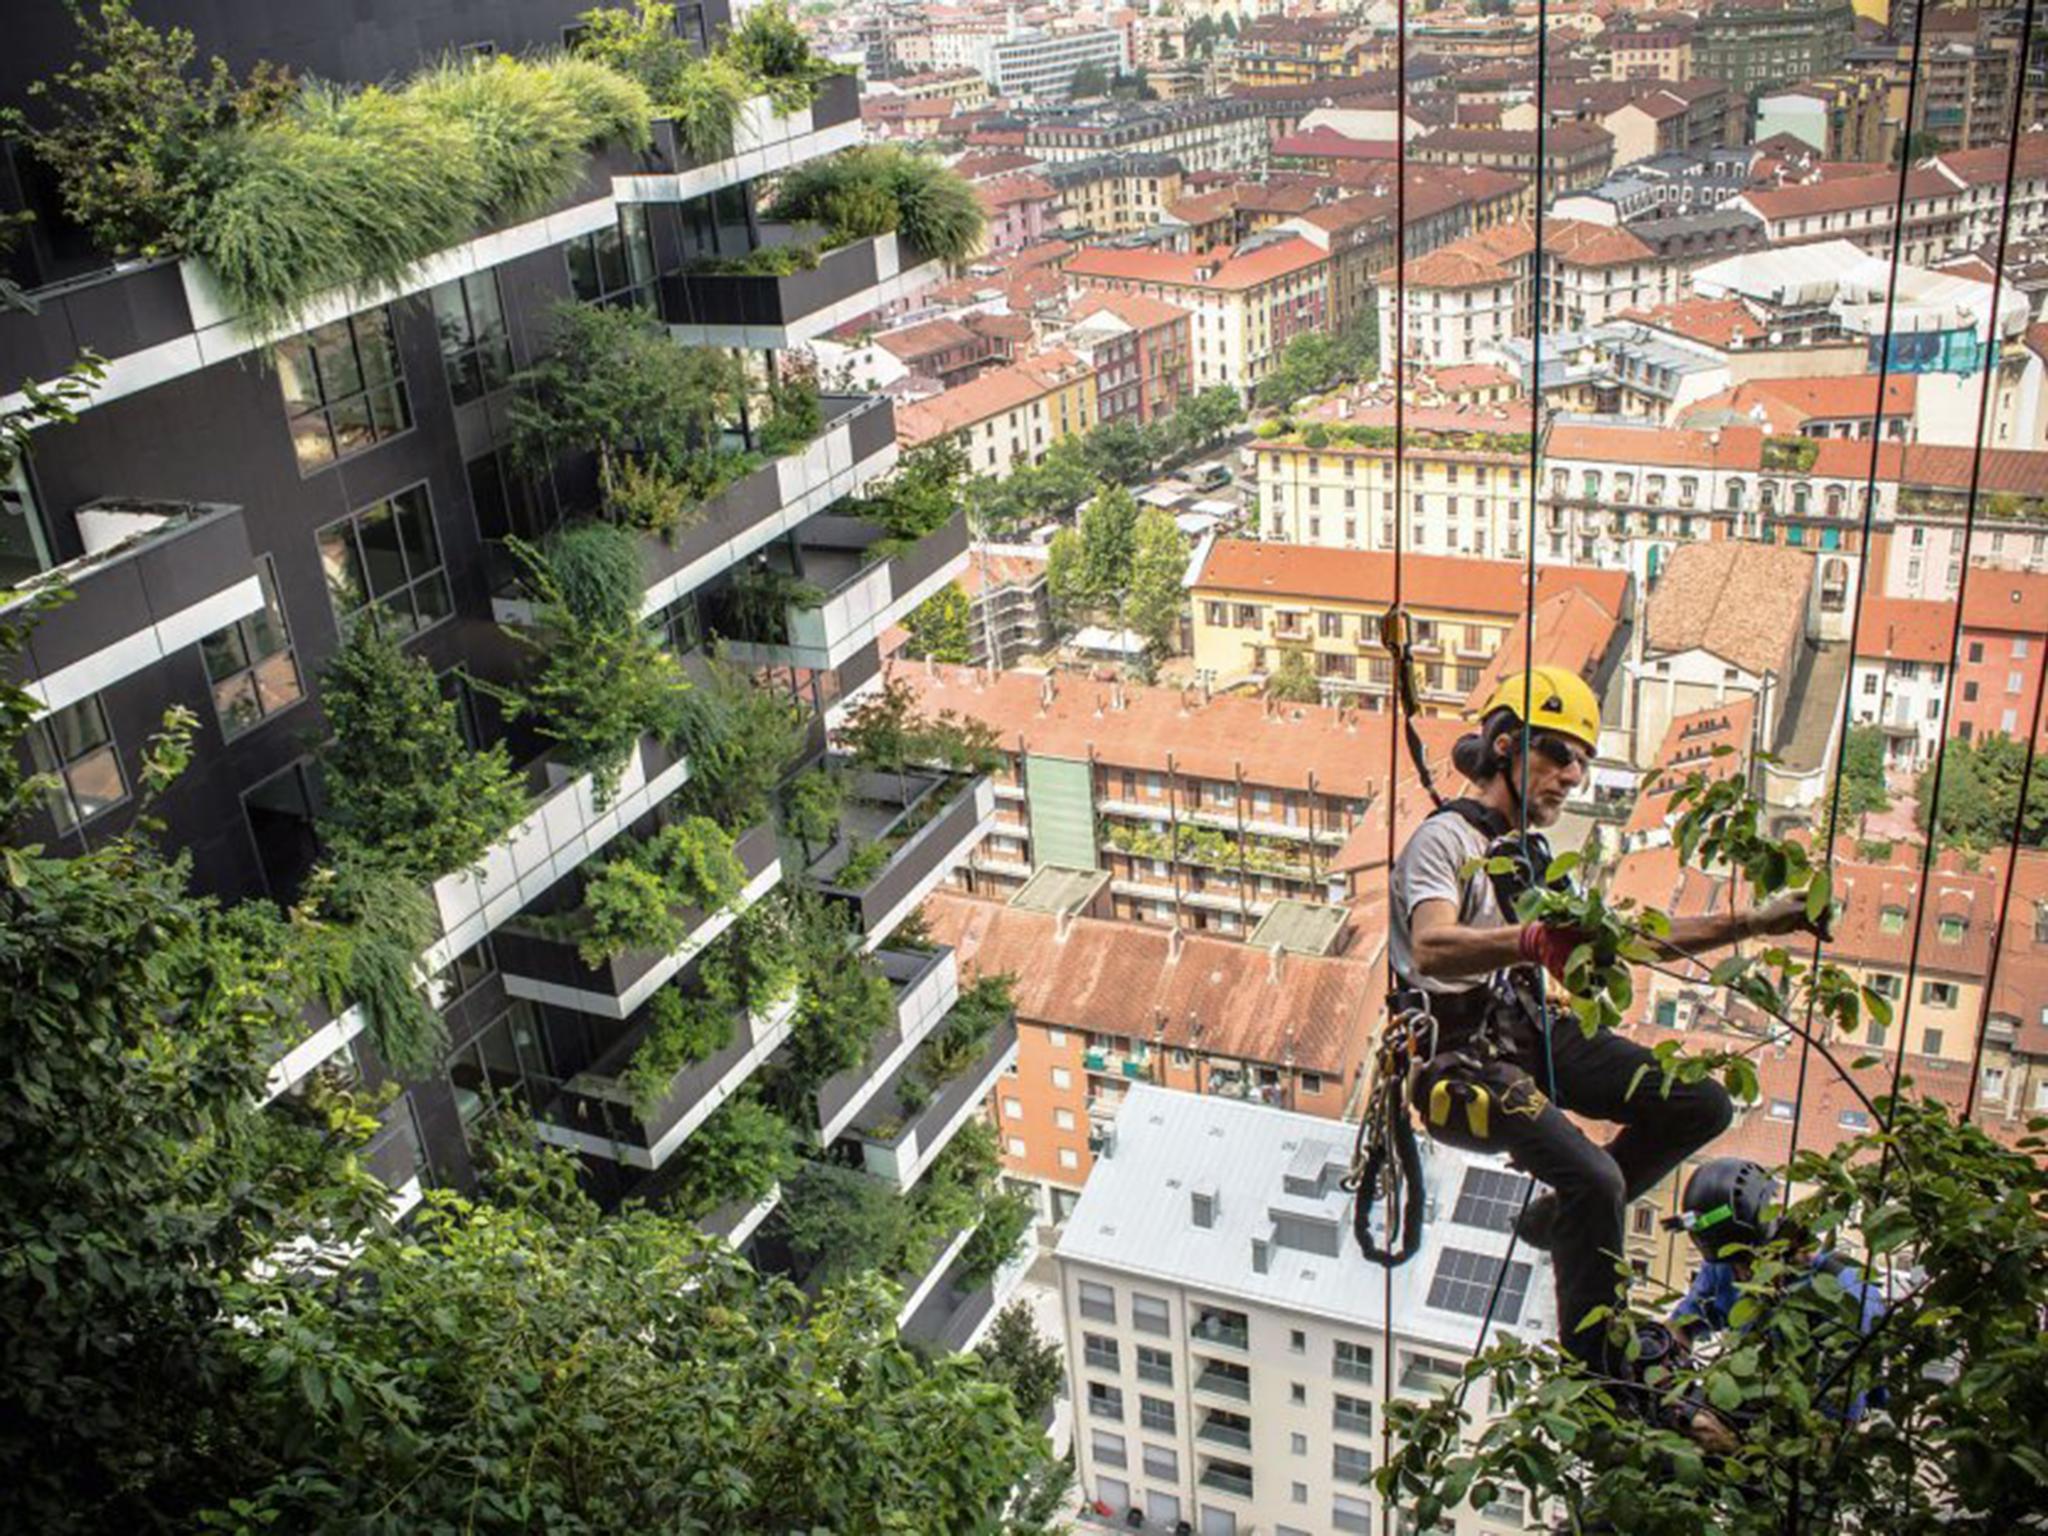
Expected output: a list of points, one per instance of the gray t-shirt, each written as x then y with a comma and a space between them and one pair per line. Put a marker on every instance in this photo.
1430, 869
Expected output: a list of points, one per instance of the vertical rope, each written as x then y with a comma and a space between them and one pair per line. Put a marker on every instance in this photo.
1869, 517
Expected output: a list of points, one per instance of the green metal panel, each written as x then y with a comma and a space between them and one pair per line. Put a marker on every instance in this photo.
1062, 807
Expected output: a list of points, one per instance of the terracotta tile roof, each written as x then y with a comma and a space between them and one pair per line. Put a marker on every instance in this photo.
925, 338
2037, 341
1345, 751
1785, 406
982, 166
1905, 629
1742, 602
1047, 253
1689, 745
1986, 166
1574, 630
1499, 417
1217, 269
1205, 208
1718, 322
994, 392
985, 569
1577, 243
1477, 261
1727, 448
2019, 470
1459, 377
1000, 191
1121, 978
1329, 144
1448, 583
1558, 139
1140, 310
2019, 989
1879, 191
1868, 890
1995, 599
1010, 328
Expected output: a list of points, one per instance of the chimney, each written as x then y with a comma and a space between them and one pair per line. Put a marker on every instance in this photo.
1202, 1205
1262, 1256
1274, 954
1176, 939
1062, 925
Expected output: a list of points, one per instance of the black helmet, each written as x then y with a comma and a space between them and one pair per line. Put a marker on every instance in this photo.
1727, 1206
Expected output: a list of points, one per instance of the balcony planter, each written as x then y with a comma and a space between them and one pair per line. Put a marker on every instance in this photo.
898, 1148
926, 987
863, 596
594, 1113
738, 1221
765, 134
126, 309
857, 446
545, 967
955, 1319
729, 309
950, 816
159, 578
566, 826
325, 1033
919, 1284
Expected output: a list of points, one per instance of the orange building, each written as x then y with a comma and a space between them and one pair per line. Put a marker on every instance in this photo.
1102, 1004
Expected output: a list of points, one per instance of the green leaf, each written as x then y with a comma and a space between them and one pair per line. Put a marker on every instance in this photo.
1820, 895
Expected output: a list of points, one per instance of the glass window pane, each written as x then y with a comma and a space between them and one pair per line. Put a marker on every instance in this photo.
611, 261
79, 728
334, 355
433, 600
277, 682
638, 243
295, 374
389, 413
383, 553
224, 652
583, 269
376, 347
351, 424
312, 444
398, 614
338, 558
416, 530
237, 703
451, 319
96, 781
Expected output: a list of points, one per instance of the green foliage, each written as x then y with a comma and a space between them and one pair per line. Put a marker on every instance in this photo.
643, 495
351, 189
652, 892
1032, 1367
1293, 681
840, 1223
386, 921
1005, 1228
682, 1031
596, 567
1090, 80
866, 861
735, 1157
920, 497
769, 47
886, 732
705, 108
1979, 793
1156, 601
137, 144
747, 736
795, 416
1794, 454
755, 965
959, 1042
877, 189
1316, 361
843, 1001
1959, 1359
641, 42
611, 381
599, 685
758, 604
810, 810
762, 261
938, 627
403, 787
498, 1369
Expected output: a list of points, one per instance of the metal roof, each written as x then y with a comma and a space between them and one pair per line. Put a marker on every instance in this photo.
1057, 889
1299, 927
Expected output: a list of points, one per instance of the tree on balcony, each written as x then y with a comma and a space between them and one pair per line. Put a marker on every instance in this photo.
880, 189
403, 787
736, 1157
939, 627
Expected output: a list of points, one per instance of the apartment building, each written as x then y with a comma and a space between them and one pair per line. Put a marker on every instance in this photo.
1113, 194
1007, 416
1228, 1342
1572, 155
1009, 613
1460, 299
1842, 116
1295, 50
1253, 602
1660, 51
1203, 134
1333, 481
1105, 1005
1039, 65
1205, 812
1142, 351
1020, 211
1753, 46
239, 496
1593, 273
1245, 304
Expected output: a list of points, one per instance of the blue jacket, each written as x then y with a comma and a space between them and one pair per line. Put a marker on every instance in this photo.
1715, 1292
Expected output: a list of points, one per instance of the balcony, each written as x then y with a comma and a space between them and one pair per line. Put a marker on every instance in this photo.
861, 590
897, 1145
738, 1221
1227, 1429
953, 1316
757, 310
920, 1284
159, 577
325, 1034
1228, 1477
393, 1154
538, 958
1229, 1331
594, 1112
764, 142
565, 827
926, 822
1135, 1063
926, 987
1218, 1379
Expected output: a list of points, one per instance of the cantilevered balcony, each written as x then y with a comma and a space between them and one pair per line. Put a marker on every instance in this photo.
924, 824
741, 1219
709, 307
159, 577
898, 1144
922, 1281
926, 985
595, 1111
323, 1034
858, 589
538, 956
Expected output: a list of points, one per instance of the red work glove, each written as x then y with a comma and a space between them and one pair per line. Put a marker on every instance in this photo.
1550, 945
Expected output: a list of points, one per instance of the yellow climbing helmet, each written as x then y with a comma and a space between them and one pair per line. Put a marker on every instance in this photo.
1558, 699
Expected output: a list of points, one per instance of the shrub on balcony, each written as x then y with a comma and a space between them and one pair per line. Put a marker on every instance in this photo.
650, 894
682, 1031
601, 682
596, 566
843, 1001
841, 1223
880, 189
1005, 1225
762, 261
744, 738
642, 495
754, 966
811, 807
769, 47
888, 733
382, 922
920, 498
744, 1150
403, 787
795, 416
758, 602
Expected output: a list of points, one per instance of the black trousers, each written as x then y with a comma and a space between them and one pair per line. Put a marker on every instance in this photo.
1593, 1182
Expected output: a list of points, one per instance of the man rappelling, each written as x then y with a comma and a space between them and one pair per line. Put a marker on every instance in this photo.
1494, 1066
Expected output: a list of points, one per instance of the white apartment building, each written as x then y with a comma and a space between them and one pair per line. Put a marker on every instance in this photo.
1225, 1335
1039, 65
1459, 299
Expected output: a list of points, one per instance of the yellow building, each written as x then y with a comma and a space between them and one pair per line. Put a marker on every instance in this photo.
1007, 416
1255, 602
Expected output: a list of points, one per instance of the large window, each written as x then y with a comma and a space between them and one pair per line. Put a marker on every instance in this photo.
74, 748
343, 388
614, 265
506, 1060
389, 555
475, 346
1351, 1362
250, 663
